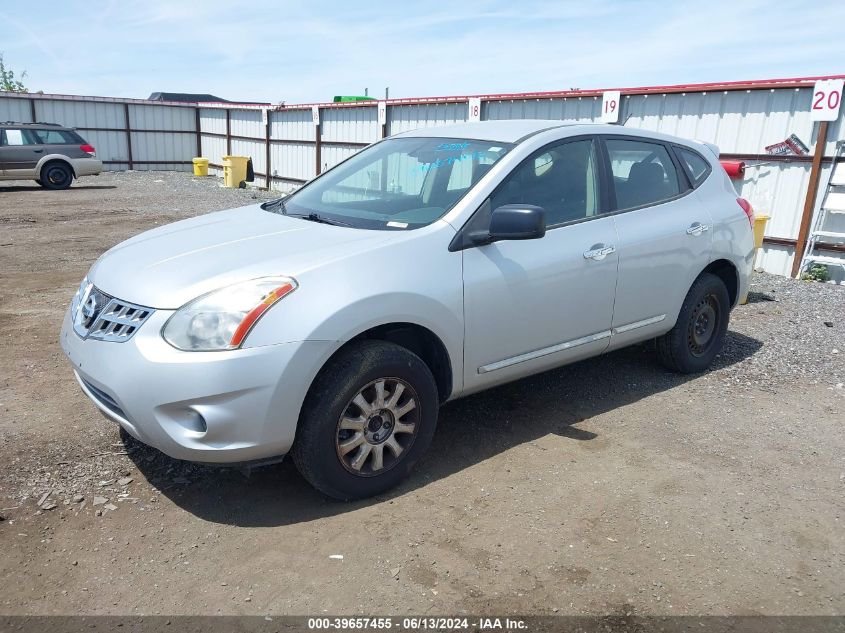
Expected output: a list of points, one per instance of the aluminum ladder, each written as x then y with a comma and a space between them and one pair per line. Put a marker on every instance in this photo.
833, 202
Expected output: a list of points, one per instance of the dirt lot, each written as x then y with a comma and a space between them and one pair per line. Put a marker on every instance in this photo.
610, 486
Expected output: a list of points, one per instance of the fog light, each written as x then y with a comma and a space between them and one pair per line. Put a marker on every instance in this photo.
192, 420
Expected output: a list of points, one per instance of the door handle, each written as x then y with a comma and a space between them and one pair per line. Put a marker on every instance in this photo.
697, 228
38, 151
599, 252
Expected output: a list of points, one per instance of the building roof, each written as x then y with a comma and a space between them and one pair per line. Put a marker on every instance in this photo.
187, 97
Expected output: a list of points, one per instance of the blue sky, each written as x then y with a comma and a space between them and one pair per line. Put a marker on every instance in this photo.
309, 51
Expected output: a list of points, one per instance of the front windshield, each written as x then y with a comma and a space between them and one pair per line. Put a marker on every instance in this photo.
397, 184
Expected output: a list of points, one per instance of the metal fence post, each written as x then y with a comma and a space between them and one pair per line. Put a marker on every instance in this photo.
318, 142
228, 132
198, 127
810, 200
267, 169
128, 134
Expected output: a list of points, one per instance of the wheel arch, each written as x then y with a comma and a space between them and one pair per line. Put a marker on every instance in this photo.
729, 274
415, 338
52, 158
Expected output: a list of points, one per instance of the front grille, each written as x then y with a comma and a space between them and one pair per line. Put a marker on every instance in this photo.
98, 316
104, 399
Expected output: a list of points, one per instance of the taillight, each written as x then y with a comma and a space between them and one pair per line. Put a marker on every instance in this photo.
88, 149
749, 210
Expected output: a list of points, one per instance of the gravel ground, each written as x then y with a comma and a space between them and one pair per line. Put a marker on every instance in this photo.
159, 192
543, 496
800, 329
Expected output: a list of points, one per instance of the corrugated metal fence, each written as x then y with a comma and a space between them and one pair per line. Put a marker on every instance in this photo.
294, 143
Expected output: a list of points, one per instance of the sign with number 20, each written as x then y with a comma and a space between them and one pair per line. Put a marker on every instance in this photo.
827, 97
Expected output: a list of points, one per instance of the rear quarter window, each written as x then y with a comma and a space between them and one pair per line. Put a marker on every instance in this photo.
697, 167
57, 137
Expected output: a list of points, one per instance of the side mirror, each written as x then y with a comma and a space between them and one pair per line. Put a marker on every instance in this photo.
513, 222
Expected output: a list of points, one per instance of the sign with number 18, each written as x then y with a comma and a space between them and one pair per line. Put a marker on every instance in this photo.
474, 113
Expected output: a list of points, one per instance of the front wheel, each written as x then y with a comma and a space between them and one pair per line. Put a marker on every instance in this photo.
366, 421
692, 345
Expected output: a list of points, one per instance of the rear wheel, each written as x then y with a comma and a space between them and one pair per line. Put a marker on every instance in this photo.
698, 335
366, 421
56, 175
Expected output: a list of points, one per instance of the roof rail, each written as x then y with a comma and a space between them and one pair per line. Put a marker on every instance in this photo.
30, 123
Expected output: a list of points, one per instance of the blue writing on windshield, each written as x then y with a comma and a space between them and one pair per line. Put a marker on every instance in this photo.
450, 160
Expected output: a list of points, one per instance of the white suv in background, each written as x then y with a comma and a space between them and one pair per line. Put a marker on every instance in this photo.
331, 324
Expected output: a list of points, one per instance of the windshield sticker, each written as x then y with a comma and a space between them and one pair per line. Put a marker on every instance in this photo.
451, 147
398, 225
451, 160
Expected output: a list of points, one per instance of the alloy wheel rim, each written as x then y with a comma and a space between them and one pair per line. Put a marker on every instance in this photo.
703, 324
378, 427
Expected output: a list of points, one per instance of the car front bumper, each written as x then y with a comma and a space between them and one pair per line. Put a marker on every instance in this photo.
222, 407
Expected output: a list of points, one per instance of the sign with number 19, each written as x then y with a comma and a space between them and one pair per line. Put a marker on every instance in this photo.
610, 106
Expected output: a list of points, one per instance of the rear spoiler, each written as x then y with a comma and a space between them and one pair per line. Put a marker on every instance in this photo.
713, 148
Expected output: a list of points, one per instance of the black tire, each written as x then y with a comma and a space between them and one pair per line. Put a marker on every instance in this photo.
354, 372
692, 345
56, 175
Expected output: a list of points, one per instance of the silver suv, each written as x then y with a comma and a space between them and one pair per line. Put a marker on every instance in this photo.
48, 153
332, 323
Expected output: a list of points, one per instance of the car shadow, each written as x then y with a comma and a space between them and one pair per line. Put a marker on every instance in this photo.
470, 430
36, 187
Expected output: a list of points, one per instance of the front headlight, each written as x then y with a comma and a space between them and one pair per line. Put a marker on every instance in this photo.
83, 289
222, 319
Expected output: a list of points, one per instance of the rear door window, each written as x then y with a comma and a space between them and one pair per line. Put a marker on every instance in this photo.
13, 138
643, 173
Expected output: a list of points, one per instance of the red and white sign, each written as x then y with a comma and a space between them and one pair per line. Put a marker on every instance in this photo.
792, 145
474, 109
382, 112
315, 114
610, 101
827, 97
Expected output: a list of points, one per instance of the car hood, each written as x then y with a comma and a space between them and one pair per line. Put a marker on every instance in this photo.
168, 266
